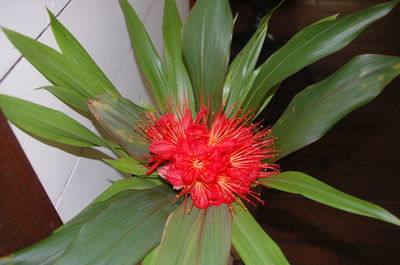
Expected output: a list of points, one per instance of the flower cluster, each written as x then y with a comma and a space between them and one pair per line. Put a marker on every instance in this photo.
212, 161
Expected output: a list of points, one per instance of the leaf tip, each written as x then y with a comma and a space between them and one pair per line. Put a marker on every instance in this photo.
7, 31
41, 87
51, 15
123, 2
390, 218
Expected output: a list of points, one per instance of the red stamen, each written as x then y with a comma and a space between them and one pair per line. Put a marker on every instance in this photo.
213, 162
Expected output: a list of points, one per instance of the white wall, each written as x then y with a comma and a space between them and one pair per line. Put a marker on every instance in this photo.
69, 176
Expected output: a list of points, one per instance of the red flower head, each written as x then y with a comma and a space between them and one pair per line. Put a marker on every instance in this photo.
211, 163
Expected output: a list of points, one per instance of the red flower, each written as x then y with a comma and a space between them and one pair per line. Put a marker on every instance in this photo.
211, 163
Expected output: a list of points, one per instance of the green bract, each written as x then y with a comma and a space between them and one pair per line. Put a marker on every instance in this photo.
196, 67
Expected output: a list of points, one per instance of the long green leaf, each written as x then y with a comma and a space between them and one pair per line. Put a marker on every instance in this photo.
177, 74
47, 123
69, 96
315, 110
300, 183
144, 208
125, 233
309, 45
332, 17
128, 165
46, 251
135, 183
56, 67
119, 117
241, 75
74, 51
147, 56
268, 99
272, 90
206, 40
151, 258
199, 237
252, 243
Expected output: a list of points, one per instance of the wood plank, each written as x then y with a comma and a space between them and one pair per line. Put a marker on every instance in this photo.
26, 213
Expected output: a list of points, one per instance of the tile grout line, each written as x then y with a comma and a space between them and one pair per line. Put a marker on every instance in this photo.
121, 65
37, 38
74, 168
93, 127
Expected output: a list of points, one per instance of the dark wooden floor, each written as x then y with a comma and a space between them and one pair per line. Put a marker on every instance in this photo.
359, 156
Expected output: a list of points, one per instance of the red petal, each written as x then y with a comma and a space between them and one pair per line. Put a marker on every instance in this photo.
200, 195
163, 148
174, 176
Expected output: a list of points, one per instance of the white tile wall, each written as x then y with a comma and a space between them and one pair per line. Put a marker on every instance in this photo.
71, 176
29, 17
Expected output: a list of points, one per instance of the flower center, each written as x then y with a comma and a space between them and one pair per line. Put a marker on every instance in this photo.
198, 164
212, 163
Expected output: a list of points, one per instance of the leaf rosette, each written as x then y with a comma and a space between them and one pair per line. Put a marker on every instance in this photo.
198, 138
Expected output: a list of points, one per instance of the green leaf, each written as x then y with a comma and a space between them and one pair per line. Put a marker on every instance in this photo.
241, 72
252, 243
197, 237
206, 40
134, 183
69, 96
74, 51
128, 165
92, 237
57, 68
268, 98
119, 117
147, 56
45, 252
300, 183
47, 123
151, 258
315, 110
273, 89
333, 17
175, 68
309, 45
125, 233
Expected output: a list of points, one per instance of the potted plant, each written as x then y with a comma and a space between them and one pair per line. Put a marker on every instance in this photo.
195, 156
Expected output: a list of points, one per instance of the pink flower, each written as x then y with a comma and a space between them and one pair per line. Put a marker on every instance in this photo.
213, 164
